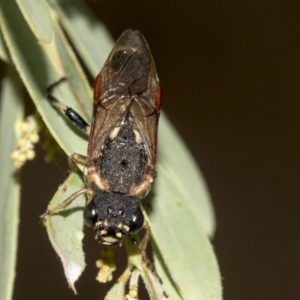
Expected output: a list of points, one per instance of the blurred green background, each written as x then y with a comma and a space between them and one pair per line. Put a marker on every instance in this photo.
230, 73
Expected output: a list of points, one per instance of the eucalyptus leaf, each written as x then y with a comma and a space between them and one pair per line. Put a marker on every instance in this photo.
36, 68
11, 114
77, 20
37, 15
176, 159
182, 243
164, 275
75, 76
60, 225
3, 49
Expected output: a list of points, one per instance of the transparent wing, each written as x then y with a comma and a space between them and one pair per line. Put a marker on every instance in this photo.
127, 85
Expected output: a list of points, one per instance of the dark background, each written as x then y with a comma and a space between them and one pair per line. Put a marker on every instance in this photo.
230, 74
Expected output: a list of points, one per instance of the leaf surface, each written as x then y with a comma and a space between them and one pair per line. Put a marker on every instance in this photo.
3, 49
37, 15
37, 67
65, 229
77, 20
11, 114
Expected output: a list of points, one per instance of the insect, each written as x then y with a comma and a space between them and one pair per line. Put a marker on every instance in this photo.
119, 168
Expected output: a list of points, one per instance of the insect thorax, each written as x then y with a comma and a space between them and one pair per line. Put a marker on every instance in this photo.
123, 162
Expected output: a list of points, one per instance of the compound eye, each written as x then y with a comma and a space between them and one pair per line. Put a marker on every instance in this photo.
90, 214
137, 221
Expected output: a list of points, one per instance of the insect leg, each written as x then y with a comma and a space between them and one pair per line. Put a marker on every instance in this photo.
76, 158
63, 205
143, 244
72, 115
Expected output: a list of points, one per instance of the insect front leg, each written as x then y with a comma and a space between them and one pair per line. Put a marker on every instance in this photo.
76, 158
71, 114
143, 246
63, 205
144, 242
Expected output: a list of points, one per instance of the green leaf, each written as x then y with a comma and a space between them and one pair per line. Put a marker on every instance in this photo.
77, 20
37, 67
41, 66
11, 113
182, 241
37, 15
61, 225
173, 291
178, 162
3, 49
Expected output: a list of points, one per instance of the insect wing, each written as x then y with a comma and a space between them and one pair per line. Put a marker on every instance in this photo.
128, 80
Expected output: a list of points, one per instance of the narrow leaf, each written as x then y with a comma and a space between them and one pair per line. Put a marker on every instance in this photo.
77, 20
60, 225
11, 114
182, 242
37, 15
164, 275
3, 49
182, 169
37, 67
